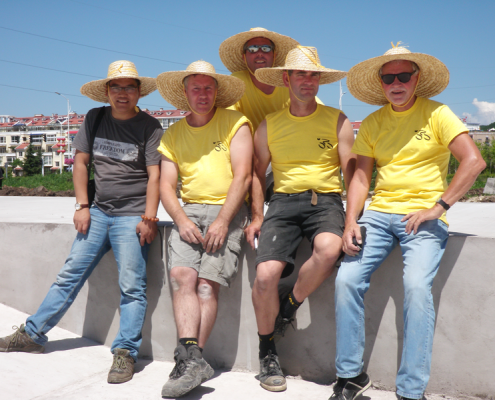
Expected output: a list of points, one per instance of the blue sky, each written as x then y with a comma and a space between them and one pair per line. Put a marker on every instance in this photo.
82, 37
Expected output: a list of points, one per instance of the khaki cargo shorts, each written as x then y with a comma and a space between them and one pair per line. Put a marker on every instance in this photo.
220, 266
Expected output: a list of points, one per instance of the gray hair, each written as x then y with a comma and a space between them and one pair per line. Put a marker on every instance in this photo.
186, 79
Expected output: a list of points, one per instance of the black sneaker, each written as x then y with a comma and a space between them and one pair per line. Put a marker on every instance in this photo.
190, 371
282, 323
350, 388
271, 376
404, 398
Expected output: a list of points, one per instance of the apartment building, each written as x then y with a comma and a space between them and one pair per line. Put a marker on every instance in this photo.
53, 135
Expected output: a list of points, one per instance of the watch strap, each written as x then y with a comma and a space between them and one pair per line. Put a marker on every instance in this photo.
443, 204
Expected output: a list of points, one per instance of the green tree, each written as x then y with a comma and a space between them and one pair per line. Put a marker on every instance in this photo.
32, 162
17, 163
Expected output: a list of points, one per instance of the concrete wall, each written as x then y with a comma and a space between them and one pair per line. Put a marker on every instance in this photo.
464, 296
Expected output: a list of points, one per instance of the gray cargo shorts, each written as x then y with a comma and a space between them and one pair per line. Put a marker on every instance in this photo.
220, 266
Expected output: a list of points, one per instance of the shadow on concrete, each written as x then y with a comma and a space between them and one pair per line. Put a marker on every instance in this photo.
68, 344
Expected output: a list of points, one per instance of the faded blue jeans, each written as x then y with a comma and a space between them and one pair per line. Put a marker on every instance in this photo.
421, 253
105, 232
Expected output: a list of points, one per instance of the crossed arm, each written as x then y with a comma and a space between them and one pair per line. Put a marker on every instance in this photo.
241, 153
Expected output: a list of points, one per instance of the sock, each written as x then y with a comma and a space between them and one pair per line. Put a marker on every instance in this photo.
188, 342
289, 305
267, 343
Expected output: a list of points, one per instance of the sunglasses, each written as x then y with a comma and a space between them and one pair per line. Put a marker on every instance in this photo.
128, 89
403, 77
265, 48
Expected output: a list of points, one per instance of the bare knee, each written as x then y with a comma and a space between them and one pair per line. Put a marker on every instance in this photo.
207, 289
183, 279
267, 276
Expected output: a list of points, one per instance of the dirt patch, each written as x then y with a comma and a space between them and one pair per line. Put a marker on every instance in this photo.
40, 191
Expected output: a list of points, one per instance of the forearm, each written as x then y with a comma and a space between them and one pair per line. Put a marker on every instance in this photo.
258, 190
152, 196
235, 197
463, 180
356, 196
80, 180
171, 204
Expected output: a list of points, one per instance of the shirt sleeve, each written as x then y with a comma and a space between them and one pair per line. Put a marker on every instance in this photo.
449, 125
362, 145
81, 141
166, 146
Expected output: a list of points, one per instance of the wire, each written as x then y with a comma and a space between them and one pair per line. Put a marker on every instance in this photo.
67, 94
50, 69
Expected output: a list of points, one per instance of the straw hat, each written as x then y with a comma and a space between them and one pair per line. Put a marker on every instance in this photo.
96, 90
232, 49
363, 79
170, 86
302, 58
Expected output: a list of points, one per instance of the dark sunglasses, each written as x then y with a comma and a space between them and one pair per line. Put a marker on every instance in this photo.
403, 77
265, 48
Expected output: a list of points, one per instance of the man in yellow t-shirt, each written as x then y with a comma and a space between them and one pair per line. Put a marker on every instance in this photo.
307, 144
243, 54
211, 149
410, 140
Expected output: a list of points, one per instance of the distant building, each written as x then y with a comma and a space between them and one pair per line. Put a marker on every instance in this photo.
471, 126
355, 127
53, 135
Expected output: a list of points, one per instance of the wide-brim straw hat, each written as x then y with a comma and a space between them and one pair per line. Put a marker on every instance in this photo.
170, 85
96, 90
302, 58
232, 49
363, 80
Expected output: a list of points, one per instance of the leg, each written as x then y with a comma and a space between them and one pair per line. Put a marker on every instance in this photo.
353, 280
208, 303
131, 260
422, 254
187, 310
326, 250
265, 294
87, 250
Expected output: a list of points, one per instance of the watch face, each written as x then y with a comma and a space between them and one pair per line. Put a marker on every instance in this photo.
77, 206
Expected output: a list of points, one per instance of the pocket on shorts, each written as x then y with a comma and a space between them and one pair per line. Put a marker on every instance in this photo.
231, 266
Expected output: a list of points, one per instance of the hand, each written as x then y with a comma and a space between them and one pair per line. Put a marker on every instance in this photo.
215, 236
415, 219
252, 231
147, 230
189, 232
352, 230
82, 219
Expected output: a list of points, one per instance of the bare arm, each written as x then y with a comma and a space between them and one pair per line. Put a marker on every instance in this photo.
471, 163
356, 197
262, 159
168, 185
82, 218
345, 135
241, 156
148, 229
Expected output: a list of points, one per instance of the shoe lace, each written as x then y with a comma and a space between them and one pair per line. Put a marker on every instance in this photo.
15, 337
179, 369
271, 365
119, 362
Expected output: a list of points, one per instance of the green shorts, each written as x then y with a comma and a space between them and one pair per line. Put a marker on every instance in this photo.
221, 266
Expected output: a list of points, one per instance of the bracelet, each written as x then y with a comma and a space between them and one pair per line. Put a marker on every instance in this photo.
152, 219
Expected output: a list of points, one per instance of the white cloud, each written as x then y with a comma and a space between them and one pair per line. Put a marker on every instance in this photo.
485, 114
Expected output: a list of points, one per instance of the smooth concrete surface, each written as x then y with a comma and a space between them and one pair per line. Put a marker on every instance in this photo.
32, 251
75, 368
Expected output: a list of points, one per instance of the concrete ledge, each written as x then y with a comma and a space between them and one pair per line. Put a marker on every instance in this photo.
32, 255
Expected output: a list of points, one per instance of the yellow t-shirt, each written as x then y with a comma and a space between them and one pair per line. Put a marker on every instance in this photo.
304, 151
256, 105
411, 153
203, 155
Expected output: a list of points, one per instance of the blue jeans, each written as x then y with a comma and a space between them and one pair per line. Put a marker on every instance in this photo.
421, 253
105, 232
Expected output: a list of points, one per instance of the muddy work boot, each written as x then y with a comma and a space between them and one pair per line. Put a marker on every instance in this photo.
271, 376
190, 371
20, 341
122, 368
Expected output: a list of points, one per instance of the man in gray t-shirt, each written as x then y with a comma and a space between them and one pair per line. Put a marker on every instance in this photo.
122, 217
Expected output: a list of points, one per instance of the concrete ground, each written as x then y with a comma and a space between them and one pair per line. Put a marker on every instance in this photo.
73, 367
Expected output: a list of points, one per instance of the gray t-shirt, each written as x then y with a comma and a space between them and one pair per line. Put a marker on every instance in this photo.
121, 152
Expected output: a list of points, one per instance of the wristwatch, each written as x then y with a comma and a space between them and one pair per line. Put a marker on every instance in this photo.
78, 206
443, 204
